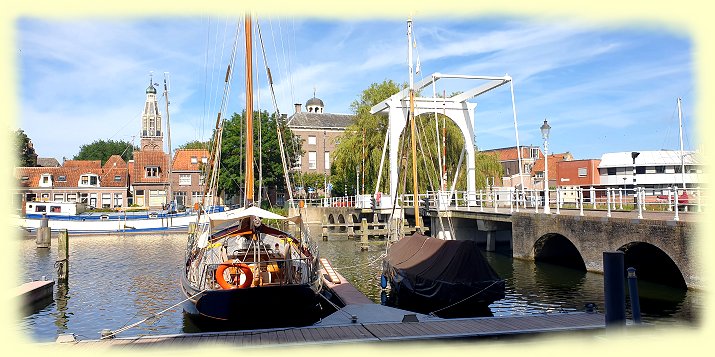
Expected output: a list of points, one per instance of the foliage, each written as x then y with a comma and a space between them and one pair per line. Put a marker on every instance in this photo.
486, 166
195, 144
310, 179
232, 175
348, 158
26, 155
103, 149
368, 132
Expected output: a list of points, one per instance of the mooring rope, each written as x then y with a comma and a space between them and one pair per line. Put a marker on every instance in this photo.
465, 299
113, 333
365, 264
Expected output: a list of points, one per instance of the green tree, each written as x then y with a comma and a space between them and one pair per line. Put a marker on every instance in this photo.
368, 132
103, 149
232, 175
486, 166
26, 155
195, 144
348, 159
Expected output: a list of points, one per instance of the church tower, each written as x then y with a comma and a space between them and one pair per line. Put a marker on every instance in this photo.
152, 138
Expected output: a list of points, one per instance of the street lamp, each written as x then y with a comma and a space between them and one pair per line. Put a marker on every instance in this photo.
545, 128
634, 155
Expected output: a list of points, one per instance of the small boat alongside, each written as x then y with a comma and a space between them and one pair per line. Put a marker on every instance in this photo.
427, 274
74, 218
431, 275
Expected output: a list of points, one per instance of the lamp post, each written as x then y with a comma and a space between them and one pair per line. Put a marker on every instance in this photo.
634, 155
545, 128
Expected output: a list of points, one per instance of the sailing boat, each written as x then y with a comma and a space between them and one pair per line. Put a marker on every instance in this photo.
240, 273
429, 274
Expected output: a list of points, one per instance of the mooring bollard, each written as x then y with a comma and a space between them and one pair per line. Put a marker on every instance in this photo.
63, 257
43, 239
633, 292
614, 288
363, 235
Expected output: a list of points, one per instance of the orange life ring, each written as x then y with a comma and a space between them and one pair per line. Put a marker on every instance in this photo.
226, 285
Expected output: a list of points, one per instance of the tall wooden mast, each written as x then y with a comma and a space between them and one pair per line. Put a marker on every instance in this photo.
412, 127
249, 113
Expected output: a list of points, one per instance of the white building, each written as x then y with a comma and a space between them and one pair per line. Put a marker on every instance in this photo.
656, 171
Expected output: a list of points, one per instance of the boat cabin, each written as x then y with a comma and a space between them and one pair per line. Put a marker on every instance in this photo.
54, 208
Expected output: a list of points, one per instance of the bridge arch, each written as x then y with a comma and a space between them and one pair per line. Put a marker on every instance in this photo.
652, 264
556, 249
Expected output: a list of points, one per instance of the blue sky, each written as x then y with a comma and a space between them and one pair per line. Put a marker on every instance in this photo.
602, 88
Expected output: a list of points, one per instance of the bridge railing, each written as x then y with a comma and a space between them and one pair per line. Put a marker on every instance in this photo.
509, 199
590, 199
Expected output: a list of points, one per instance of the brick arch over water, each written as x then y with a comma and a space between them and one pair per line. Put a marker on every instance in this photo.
591, 236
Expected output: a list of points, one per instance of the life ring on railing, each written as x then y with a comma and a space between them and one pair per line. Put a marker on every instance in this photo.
229, 264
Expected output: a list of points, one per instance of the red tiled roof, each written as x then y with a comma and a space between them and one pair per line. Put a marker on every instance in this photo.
510, 153
115, 161
553, 159
182, 159
143, 159
71, 175
90, 164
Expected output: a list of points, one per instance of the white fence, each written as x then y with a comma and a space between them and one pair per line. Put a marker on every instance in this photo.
498, 199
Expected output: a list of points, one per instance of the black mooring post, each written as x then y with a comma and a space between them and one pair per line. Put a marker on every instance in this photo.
633, 292
614, 288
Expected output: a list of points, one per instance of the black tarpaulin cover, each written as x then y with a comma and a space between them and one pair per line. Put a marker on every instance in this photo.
441, 270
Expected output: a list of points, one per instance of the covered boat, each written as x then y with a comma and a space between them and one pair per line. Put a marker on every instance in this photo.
428, 273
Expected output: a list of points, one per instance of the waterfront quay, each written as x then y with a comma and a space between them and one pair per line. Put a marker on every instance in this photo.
361, 320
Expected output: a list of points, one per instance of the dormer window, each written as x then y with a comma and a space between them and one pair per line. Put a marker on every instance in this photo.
117, 178
45, 180
89, 180
24, 178
62, 178
152, 171
194, 160
204, 159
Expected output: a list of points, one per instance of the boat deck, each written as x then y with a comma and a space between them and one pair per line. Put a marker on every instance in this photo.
370, 332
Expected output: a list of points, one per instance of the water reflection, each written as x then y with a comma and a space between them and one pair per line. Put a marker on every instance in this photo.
115, 281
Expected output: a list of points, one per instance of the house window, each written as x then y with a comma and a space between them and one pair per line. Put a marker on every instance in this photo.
280, 199
611, 171
46, 180
660, 169
106, 200
540, 174
582, 172
185, 180
71, 197
640, 170
311, 140
180, 197
117, 178
196, 197
58, 197
89, 180
83, 197
194, 160
326, 160
202, 180
62, 178
118, 200
152, 171
312, 160
534, 153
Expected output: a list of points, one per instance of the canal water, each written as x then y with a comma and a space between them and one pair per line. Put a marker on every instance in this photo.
116, 281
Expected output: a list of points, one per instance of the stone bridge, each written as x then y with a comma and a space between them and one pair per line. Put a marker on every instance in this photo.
660, 250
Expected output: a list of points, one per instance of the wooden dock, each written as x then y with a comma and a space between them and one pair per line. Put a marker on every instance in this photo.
369, 332
361, 320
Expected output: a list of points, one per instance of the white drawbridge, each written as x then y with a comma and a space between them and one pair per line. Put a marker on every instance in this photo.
455, 107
